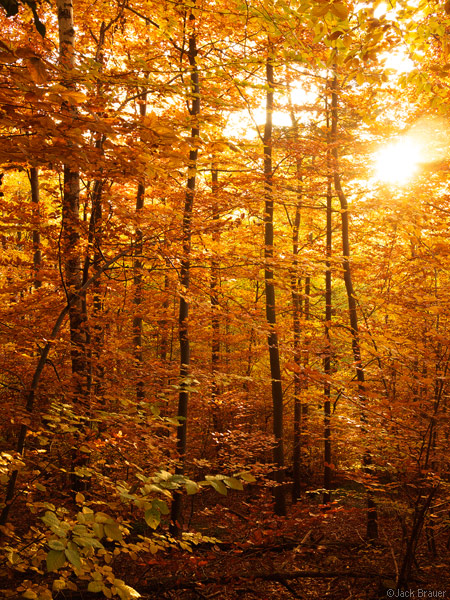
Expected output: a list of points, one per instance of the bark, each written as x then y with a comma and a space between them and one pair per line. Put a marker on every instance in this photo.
214, 299
164, 345
296, 326
183, 314
274, 354
70, 241
295, 282
94, 341
372, 520
327, 474
37, 256
138, 266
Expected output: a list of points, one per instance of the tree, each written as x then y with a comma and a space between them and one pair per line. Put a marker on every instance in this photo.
275, 369
183, 315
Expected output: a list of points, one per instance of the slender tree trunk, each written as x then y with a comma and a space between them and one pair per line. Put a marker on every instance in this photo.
37, 256
96, 370
327, 473
214, 298
372, 521
183, 315
138, 266
70, 245
299, 408
165, 347
94, 341
274, 354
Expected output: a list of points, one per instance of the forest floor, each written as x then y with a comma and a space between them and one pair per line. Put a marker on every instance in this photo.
316, 552
313, 553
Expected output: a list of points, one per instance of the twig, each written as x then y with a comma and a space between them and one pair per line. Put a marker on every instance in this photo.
288, 587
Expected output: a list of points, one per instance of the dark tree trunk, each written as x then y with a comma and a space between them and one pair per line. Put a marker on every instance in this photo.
327, 473
94, 341
274, 354
183, 315
372, 519
138, 266
37, 256
214, 299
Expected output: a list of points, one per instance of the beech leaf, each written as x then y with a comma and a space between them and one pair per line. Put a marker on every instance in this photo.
55, 560
95, 586
233, 483
152, 518
37, 70
339, 10
72, 556
112, 531
56, 545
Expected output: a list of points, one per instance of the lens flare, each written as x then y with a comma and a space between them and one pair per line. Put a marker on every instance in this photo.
398, 162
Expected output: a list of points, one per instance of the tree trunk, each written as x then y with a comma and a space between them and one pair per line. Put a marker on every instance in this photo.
214, 299
183, 315
274, 354
327, 472
138, 266
70, 240
94, 341
37, 256
372, 520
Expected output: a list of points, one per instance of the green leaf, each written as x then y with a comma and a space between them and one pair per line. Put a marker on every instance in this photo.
152, 518
95, 586
87, 542
233, 483
56, 545
248, 477
50, 519
112, 531
102, 517
80, 530
191, 487
72, 556
55, 560
217, 485
59, 531
161, 506
99, 530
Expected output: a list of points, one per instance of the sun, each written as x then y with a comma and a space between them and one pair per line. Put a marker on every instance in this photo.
398, 162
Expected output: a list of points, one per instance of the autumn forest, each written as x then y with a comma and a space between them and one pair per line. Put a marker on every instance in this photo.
224, 316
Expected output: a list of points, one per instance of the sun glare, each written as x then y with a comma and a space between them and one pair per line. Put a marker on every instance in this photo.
397, 163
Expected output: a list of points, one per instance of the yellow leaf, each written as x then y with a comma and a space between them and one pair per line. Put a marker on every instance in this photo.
36, 69
79, 498
73, 97
340, 10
